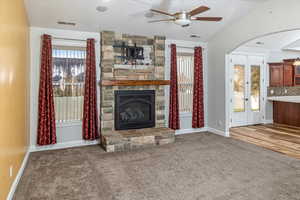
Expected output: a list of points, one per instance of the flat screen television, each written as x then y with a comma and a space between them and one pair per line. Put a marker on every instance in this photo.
134, 53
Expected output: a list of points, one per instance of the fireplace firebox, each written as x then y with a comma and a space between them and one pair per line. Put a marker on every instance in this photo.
134, 109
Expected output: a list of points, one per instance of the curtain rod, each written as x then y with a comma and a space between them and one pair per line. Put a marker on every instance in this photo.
185, 47
70, 39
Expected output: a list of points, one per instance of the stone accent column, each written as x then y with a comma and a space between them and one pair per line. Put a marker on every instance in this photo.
159, 55
107, 55
107, 71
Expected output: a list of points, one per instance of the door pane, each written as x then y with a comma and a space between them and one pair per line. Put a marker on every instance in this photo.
239, 88
255, 88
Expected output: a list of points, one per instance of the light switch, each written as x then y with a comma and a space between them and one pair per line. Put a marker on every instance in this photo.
11, 171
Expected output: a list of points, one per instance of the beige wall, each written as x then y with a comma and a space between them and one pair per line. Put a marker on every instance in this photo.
14, 57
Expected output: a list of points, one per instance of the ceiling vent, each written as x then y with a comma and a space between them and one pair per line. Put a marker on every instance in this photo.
101, 8
195, 36
259, 43
66, 23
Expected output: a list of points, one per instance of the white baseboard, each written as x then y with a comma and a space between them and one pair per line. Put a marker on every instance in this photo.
190, 130
18, 177
64, 145
195, 130
219, 132
268, 121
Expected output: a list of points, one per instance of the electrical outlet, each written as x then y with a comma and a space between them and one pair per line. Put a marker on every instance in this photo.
11, 171
220, 123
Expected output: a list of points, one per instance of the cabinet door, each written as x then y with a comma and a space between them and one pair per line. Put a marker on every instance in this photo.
297, 75
288, 75
276, 75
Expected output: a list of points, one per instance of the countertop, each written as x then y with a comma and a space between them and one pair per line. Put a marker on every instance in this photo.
291, 99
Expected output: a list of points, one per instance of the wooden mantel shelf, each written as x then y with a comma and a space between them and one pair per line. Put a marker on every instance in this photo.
133, 82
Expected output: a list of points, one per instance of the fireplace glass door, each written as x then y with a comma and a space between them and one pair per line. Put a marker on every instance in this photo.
134, 109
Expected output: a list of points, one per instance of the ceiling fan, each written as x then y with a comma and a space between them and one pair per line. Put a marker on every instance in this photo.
184, 18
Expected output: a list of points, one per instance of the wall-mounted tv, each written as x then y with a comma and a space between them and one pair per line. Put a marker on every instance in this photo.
131, 52
134, 53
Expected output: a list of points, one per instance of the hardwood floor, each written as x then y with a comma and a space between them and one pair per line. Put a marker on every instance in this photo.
277, 137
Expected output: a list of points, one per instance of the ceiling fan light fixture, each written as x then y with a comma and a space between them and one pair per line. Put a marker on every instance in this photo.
182, 22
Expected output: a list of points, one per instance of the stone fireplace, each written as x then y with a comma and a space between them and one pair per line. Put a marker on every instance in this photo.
132, 96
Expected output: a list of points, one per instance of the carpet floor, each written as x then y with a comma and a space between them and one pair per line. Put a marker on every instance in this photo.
200, 166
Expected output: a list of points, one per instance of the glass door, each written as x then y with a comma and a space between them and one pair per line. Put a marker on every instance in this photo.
246, 90
255, 112
240, 93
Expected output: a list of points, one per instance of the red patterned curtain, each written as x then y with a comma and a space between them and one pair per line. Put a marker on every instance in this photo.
90, 116
174, 105
198, 108
46, 118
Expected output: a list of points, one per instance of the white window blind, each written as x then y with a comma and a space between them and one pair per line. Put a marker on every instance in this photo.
185, 67
68, 83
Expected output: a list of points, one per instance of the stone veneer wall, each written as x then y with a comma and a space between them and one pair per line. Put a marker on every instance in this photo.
111, 70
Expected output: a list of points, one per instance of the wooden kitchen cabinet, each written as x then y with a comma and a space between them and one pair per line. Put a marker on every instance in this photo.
276, 74
296, 71
288, 74
281, 74
286, 113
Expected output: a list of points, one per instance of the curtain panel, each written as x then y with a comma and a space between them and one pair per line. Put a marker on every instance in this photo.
46, 115
198, 108
90, 116
174, 104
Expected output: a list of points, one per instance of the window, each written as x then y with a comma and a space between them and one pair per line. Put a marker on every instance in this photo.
255, 87
239, 88
185, 66
68, 82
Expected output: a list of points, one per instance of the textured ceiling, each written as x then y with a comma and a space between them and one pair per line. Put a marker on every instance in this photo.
128, 16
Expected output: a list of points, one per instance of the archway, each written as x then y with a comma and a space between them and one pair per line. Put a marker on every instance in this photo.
267, 19
249, 75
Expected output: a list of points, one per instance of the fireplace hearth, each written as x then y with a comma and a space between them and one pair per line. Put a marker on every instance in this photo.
134, 109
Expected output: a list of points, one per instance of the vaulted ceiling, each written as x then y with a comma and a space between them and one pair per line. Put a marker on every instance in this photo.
132, 16
288, 40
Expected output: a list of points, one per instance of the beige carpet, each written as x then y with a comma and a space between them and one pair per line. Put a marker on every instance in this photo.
199, 166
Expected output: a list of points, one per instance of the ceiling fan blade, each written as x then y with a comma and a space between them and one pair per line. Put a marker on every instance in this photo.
198, 10
213, 19
162, 12
161, 20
